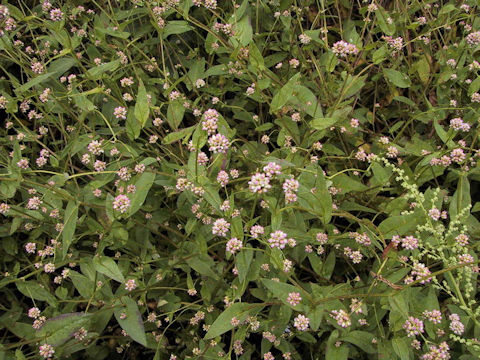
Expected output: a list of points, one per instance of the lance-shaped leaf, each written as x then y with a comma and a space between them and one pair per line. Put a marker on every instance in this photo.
130, 319
34, 290
108, 267
60, 329
143, 185
142, 108
222, 324
281, 290
71, 215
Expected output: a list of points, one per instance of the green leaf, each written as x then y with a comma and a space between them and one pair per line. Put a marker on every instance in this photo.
176, 27
318, 203
281, 290
70, 223
240, 11
329, 60
255, 57
203, 264
111, 32
143, 185
283, 95
264, 127
476, 207
132, 323
108, 267
197, 71
35, 81
446, 9
19, 355
82, 101
175, 113
474, 86
132, 125
380, 54
59, 66
96, 72
84, 285
315, 262
323, 123
223, 323
382, 19
337, 353
423, 69
56, 68
9, 188
216, 70
362, 339
329, 265
58, 330
212, 197
325, 203
401, 347
399, 225
243, 261
34, 290
244, 31
315, 316
142, 108
353, 84
405, 101
461, 198
347, 184
442, 134
305, 100
290, 127
397, 78
380, 173
177, 135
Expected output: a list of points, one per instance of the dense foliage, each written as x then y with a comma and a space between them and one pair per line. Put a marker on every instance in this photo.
260, 179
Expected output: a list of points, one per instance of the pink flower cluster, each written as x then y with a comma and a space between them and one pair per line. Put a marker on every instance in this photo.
473, 39
362, 239
435, 316
458, 124
278, 239
256, 231
440, 352
294, 298
342, 318
456, 325
130, 285
218, 143
343, 49
396, 43
222, 178
456, 156
46, 351
354, 255
290, 187
409, 243
121, 203
413, 326
322, 238
234, 245
260, 182
420, 271
301, 322
209, 123
220, 227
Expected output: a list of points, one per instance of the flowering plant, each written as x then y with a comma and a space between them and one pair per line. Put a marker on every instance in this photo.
203, 179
